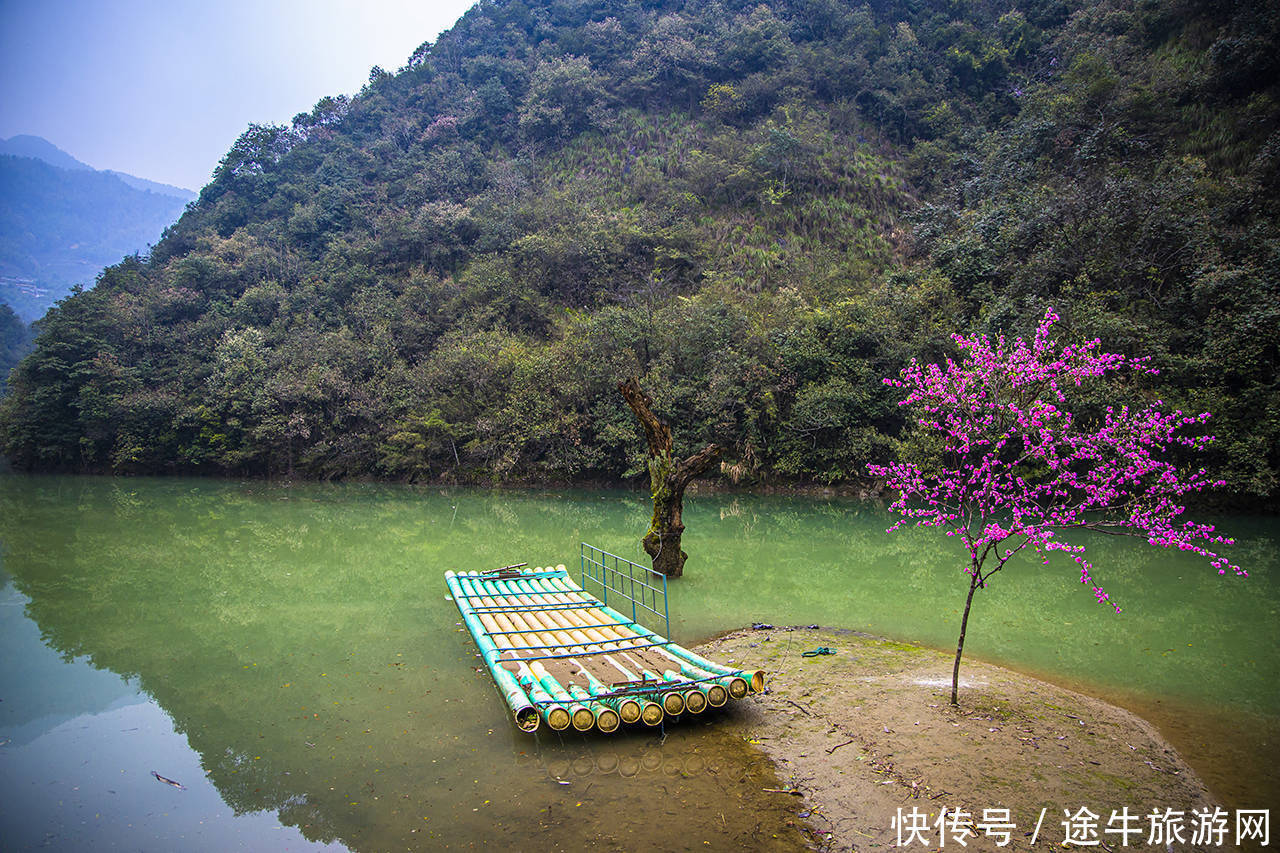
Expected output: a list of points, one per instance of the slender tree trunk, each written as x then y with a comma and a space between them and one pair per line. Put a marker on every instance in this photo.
668, 478
964, 623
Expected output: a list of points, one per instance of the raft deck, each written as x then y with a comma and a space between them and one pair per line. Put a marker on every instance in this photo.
562, 656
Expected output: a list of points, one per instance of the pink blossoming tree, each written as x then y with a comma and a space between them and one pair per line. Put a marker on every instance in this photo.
1014, 468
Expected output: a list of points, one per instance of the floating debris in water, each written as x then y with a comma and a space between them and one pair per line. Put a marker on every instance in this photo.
168, 781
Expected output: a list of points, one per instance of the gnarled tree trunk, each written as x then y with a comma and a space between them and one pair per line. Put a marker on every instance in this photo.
668, 478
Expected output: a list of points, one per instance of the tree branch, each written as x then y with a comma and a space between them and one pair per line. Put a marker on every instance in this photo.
695, 465
656, 433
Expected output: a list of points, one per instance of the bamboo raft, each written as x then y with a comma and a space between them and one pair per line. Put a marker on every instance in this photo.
559, 655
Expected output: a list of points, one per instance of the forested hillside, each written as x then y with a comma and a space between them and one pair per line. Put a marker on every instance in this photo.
15, 341
60, 225
760, 209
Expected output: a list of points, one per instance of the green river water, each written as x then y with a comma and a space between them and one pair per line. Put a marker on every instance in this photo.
289, 655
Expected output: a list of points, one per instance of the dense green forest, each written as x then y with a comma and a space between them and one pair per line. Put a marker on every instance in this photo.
760, 209
15, 342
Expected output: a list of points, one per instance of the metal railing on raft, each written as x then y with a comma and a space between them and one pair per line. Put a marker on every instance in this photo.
620, 581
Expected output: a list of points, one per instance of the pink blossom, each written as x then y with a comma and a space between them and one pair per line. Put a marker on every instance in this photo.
1019, 469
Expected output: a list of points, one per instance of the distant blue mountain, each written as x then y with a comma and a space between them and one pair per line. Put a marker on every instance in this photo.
39, 148
152, 186
61, 222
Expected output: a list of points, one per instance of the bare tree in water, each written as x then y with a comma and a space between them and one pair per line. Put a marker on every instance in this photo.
668, 478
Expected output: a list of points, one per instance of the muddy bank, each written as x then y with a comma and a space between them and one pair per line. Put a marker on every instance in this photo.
868, 735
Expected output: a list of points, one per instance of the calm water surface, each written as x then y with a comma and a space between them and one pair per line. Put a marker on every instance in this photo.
289, 656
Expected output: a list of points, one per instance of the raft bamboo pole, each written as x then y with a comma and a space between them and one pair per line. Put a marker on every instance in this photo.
614, 633
506, 622
628, 707
603, 716
582, 717
557, 720
510, 622
549, 619
732, 681
614, 627
715, 688
523, 618
574, 593
652, 711
729, 685
695, 697
672, 700
606, 719
612, 705
557, 716
622, 670
526, 715
608, 709
534, 626
570, 620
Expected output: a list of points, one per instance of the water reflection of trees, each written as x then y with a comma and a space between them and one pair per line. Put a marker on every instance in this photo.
802, 561
302, 641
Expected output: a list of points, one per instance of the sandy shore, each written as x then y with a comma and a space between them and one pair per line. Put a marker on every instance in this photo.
868, 737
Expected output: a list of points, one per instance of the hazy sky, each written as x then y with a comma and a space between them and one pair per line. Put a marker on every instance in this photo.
162, 88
